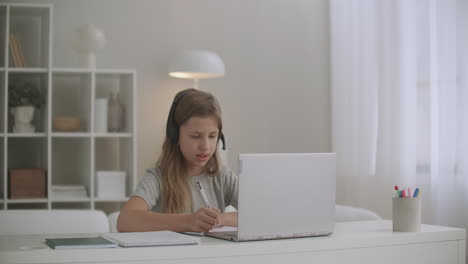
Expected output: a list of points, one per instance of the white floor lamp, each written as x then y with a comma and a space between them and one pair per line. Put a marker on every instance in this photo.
196, 64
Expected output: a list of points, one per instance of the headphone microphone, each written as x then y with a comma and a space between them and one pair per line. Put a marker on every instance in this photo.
172, 130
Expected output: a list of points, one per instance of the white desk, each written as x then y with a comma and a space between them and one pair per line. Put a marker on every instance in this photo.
353, 242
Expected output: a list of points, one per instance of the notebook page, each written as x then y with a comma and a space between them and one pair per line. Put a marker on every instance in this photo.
224, 229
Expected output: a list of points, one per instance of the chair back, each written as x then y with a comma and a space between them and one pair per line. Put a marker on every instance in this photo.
20, 222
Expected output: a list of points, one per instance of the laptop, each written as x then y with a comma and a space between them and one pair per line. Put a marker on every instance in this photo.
284, 196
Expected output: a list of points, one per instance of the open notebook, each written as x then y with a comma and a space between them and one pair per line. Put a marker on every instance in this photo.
154, 238
214, 230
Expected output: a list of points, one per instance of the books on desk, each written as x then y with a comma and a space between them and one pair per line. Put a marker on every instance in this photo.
80, 242
154, 238
130, 239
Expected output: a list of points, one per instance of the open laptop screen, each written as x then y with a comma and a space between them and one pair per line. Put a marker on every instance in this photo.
286, 194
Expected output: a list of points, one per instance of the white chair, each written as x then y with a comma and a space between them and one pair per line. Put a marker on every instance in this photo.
344, 213
20, 222
113, 221
347, 213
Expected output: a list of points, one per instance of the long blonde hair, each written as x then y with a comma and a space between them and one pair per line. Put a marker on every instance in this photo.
175, 191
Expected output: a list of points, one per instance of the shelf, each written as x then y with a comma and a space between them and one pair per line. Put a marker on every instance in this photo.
27, 70
70, 158
27, 152
70, 135
37, 81
114, 71
71, 161
30, 10
71, 70
30, 25
71, 200
71, 97
3, 184
27, 5
37, 200
26, 135
115, 154
121, 199
97, 71
113, 135
2, 99
3, 25
121, 83
80, 205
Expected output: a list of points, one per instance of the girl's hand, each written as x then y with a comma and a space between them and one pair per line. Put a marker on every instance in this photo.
203, 220
219, 223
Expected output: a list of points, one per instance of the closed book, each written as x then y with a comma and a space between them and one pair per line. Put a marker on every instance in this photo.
27, 183
70, 187
69, 195
80, 242
154, 238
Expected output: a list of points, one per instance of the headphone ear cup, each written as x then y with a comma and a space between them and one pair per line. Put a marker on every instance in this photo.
171, 129
221, 137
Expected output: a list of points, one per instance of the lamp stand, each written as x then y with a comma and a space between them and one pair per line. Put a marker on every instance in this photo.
88, 60
195, 83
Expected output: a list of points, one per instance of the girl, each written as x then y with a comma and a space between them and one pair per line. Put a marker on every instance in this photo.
168, 197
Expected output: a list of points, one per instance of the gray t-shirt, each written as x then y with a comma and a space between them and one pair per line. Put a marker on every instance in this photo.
221, 190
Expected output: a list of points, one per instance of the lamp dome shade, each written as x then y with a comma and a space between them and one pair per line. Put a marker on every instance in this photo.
196, 64
88, 39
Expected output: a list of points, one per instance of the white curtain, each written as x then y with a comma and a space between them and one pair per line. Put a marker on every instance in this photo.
399, 89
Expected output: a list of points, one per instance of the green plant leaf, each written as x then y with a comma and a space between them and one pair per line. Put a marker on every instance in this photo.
24, 93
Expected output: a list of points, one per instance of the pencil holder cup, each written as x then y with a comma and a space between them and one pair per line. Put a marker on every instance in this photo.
406, 214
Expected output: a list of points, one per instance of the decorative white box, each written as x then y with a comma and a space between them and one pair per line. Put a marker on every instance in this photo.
110, 184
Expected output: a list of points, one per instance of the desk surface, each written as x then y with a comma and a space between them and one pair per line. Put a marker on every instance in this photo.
347, 235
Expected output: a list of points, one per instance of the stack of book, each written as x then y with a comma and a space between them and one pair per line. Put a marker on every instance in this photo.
68, 191
16, 51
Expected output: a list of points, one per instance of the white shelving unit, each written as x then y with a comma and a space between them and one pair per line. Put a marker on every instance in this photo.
68, 157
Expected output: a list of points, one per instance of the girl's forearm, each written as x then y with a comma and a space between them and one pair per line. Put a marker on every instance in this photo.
139, 220
229, 219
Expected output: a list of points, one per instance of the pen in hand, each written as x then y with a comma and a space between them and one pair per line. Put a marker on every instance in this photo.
205, 199
203, 194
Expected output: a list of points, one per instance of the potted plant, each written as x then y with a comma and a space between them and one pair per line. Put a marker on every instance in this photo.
23, 99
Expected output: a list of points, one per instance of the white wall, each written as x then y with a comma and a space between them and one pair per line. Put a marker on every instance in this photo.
275, 95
